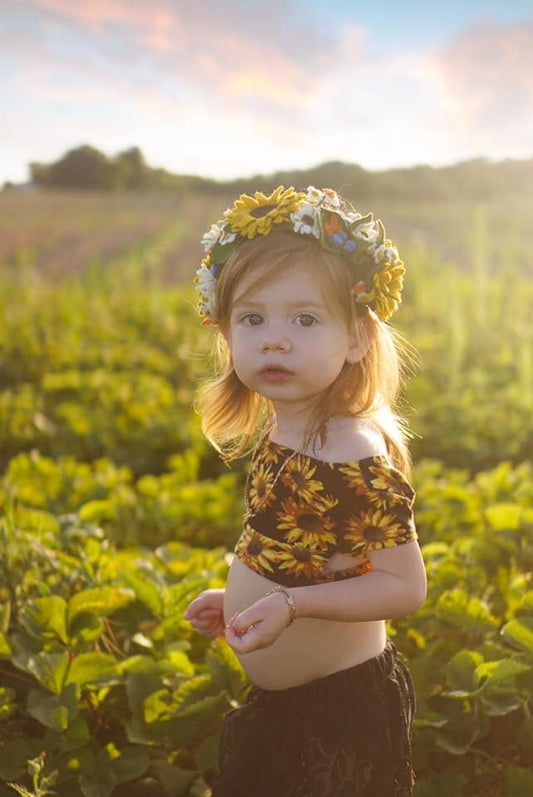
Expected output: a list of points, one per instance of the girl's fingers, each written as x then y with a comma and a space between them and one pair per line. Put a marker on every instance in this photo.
217, 630
209, 600
211, 626
195, 607
199, 611
241, 621
205, 614
243, 642
202, 625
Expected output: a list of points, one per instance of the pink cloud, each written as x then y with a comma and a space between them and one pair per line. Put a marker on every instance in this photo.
487, 74
98, 13
230, 53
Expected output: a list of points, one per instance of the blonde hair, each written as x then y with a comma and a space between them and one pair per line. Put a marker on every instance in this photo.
231, 413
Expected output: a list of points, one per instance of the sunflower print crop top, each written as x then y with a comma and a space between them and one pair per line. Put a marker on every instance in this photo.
303, 510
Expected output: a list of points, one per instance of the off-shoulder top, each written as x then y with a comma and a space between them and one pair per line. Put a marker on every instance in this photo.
303, 510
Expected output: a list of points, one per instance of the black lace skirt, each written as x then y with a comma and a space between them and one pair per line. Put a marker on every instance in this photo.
345, 735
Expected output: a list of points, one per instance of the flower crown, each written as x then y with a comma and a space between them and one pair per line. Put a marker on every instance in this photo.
376, 266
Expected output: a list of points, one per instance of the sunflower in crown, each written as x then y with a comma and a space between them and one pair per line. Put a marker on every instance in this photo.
257, 215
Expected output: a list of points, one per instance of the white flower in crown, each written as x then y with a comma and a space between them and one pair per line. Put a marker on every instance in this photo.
316, 196
385, 252
305, 220
368, 231
211, 237
227, 237
206, 285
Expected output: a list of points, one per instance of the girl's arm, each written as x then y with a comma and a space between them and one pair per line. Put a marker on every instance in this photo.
395, 587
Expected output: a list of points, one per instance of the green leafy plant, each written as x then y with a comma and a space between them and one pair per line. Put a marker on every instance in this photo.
114, 511
101, 672
41, 783
470, 647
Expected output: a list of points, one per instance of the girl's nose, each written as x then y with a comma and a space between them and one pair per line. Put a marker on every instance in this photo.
275, 342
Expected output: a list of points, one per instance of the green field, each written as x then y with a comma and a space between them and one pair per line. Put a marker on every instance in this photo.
116, 512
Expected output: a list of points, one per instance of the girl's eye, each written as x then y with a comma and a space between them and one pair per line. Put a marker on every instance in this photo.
305, 320
252, 319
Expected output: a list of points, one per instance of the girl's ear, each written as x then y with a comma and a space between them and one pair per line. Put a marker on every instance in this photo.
360, 344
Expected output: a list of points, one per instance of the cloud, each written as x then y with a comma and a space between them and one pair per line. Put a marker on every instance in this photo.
485, 78
472, 97
98, 13
236, 53
239, 77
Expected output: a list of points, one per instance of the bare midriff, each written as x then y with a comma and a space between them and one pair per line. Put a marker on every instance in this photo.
306, 650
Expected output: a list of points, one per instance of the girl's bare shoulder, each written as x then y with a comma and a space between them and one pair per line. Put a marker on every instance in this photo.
352, 439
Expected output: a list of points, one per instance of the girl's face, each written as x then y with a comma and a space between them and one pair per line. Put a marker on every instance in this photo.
285, 341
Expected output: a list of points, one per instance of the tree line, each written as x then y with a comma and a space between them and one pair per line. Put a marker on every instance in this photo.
85, 167
88, 168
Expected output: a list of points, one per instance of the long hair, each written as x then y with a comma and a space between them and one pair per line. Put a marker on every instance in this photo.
231, 413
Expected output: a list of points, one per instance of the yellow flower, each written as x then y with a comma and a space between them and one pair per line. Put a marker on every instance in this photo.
256, 215
383, 478
374, 529
354, 477
298, 477
307, 523
261, 492
302, 561
254, 552
387, 490
381, 499
269, 454
388, 284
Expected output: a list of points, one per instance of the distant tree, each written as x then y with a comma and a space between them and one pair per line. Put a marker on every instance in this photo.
130, 170
83, 167
40, 174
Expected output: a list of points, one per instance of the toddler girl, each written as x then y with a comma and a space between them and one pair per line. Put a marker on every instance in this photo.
300, 286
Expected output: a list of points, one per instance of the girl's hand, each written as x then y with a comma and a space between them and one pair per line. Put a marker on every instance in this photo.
259, 625
206, 612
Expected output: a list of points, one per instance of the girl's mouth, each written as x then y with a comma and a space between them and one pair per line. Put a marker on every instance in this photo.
275, 373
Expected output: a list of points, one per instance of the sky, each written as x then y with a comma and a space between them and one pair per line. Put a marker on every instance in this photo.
233, 88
